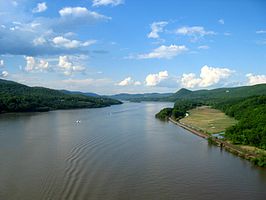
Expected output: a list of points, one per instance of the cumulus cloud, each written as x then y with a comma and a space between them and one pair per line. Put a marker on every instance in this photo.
2, 63
256, 79
208, 76
39, 41
33, 40
221, 21
128, 81
106, 2
156, 28
71, 44
261, 31
155, 79
163, 51
41, 7
24, 34
195, 32
68, 67
4, 74
75, 17
80, 13
33, 64
14, 3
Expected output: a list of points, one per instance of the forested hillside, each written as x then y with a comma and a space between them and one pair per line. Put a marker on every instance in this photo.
15, 97
251, 116
246, 104
219, 93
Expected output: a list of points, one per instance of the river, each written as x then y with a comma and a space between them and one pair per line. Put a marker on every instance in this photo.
118, 152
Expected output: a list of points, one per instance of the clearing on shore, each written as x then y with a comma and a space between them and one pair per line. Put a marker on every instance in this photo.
208, 120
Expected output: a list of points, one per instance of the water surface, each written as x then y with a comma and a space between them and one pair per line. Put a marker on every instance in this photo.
118, 152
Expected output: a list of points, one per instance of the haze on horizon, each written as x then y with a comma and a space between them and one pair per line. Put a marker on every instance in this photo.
114, 46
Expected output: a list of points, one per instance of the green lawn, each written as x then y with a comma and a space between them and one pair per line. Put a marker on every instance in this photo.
208, 120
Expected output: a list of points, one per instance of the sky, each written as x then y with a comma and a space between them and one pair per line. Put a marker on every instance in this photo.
133, 46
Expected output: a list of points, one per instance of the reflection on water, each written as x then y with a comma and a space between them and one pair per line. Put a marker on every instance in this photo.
119, 152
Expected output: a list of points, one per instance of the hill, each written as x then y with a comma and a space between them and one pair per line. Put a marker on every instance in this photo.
246, 104
89, 94
141, 97
16, 97
219, 93
228, 93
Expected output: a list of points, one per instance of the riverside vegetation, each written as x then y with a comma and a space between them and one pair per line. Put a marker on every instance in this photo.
247, 105
15, 97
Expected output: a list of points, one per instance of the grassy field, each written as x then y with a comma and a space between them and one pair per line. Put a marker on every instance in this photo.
208, 120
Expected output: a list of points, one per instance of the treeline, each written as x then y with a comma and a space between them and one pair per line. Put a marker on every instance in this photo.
250, 113
251, 116
179, 110
15, 97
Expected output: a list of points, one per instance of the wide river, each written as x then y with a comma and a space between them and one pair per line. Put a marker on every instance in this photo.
119, 152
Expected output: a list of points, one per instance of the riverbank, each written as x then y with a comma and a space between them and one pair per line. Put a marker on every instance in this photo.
257, 159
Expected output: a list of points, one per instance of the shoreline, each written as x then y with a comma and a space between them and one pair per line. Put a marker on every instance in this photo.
250, 156
203, 135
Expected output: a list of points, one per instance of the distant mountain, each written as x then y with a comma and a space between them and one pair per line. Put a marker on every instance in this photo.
140, 97
89, 94
234, 92
16, 97
230, 93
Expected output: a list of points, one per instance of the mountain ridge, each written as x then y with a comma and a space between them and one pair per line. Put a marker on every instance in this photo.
16, 97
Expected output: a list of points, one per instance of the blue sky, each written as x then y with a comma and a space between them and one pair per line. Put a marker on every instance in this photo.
114, 46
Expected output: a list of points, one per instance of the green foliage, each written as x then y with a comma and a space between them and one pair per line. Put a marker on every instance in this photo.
141, 97
15, 97
182, 106
249, 111
164, 114
219, 94
260, 161
251, 126
211, 141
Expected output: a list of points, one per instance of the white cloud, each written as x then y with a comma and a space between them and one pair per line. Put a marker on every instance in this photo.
190, 80
30, 63
256, 79
203, 47
156, 27
106, 2
163, 51
221, 21
43, 64
128, 81
227, 34
137, 83
39, 41
208, 77
68, 67
4, 74
14, 3
35, 65
261, 31
195, 32
23, 34
71, 44
155, 79
41, 7
80, 12
2, 63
